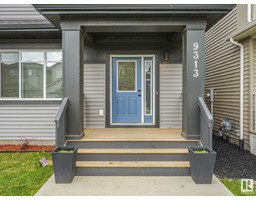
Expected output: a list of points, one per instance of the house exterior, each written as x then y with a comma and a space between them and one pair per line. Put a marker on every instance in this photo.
118, 65
223, 66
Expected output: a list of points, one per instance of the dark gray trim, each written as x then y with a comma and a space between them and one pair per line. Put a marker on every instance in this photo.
133, 52
26, 27
132, 171
212, 13
22, 44
60, 123
152, 8
30, 102
73, 66
190, 137
192, 82
132, 157
75, 137
133, 144
133, 24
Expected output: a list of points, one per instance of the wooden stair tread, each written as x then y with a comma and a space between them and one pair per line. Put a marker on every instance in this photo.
130, 140
132, 164
132, 151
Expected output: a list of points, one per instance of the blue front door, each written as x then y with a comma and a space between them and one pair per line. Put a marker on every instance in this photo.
126, 90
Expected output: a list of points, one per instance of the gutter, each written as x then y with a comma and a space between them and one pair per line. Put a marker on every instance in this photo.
241, 133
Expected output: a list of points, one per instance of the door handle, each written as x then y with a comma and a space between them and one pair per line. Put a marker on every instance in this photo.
138, 90
139, 95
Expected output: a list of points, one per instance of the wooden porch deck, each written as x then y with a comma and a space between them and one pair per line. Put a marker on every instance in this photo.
133, 134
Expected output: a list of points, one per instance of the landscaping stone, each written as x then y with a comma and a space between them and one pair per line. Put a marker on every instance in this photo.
231, 162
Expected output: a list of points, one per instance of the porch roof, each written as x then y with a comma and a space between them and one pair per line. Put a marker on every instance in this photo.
210, 12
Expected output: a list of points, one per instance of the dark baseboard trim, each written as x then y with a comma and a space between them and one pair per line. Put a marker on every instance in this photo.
190, 137
75, 137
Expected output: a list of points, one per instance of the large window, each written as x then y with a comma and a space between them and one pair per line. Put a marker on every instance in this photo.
30, 74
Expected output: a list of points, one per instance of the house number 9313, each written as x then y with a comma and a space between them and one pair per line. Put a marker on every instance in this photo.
195, 57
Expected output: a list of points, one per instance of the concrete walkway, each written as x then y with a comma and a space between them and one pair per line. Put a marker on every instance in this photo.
133, 186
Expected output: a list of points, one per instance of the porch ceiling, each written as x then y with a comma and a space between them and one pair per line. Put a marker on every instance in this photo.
121, 37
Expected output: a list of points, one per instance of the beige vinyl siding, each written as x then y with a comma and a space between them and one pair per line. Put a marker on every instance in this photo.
94, 95
246, 91
170, 96
254, 66
254, 83
33, 121
222, 69
222, 72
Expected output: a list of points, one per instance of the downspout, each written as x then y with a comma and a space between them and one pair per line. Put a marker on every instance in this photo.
249, 13
241, 135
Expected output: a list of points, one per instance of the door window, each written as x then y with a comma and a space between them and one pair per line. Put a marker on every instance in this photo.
126, 76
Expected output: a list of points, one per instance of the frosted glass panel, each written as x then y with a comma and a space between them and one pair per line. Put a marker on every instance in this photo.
32, 56
54, 56
10, 57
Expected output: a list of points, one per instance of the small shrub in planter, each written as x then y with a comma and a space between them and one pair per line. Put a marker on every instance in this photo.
64, 163
202, 162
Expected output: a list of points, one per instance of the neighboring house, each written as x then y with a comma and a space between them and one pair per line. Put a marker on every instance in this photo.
143, 68
223, 62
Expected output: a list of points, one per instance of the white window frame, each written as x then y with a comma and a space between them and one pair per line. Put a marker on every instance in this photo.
20, 77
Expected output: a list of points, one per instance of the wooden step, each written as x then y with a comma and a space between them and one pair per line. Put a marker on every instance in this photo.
132, 151
132, 140
132, 164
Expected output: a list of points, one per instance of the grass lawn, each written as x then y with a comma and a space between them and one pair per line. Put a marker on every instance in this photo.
22, 174
234, 185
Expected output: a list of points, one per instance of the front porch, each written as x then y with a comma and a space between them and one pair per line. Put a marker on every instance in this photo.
132, 152
133, 134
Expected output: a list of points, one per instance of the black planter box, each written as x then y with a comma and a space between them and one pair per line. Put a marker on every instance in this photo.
64, 164
202, 165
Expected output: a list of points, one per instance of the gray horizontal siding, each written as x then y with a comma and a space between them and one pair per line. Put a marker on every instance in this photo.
170, 96
20, 14
94, 95
35, 122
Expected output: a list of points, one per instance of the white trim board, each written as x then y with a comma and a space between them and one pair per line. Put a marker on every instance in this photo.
142, 86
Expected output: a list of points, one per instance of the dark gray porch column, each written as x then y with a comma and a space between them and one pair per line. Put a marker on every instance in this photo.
73, 62
193, 79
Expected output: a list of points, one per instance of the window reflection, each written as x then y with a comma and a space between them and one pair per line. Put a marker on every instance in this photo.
127, 76
148, 74
54, 80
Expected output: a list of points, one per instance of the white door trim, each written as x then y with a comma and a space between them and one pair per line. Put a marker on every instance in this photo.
142, 88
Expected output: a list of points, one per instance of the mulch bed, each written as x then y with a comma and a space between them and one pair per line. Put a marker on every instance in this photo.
31, 148
233, 163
